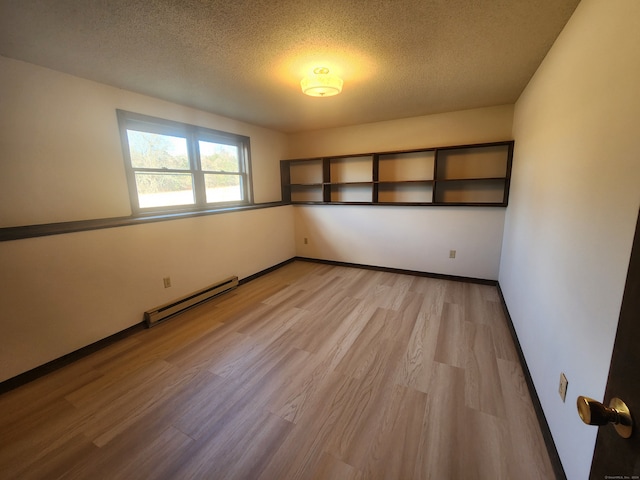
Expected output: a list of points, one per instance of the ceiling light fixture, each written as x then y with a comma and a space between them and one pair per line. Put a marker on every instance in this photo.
321, 83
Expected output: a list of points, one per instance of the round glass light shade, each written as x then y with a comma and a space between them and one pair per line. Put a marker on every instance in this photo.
321, 83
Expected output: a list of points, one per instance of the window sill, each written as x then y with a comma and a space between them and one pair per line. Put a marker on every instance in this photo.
43, 230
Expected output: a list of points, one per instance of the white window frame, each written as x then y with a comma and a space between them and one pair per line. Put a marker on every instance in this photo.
193, 134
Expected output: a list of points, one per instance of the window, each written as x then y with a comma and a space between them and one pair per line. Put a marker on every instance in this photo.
173, 166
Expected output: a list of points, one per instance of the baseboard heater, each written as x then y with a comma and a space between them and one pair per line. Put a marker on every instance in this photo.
163, 312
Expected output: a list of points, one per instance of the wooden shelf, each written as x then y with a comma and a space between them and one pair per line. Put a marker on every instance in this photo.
489, 191
405, 192
306, 172
467, 175
350, 183
351, 193
406, 166
356, 169
306, 193
470, 180
401, 182
473, 162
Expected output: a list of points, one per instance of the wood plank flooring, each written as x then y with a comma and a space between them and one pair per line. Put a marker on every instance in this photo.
310, 372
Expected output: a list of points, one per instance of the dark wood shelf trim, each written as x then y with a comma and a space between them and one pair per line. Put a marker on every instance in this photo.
505, 143
474, 179
404, 204
400, 182
412, 150
305, 160
339, 184
46, 229
354, 155
437, 185
469, 204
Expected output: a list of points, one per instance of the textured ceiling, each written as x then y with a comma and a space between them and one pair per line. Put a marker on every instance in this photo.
244, 58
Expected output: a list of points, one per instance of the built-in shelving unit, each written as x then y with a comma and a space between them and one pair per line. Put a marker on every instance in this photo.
455, 175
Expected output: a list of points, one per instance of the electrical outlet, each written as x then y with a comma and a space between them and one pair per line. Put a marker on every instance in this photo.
306, 240
452, 254
167, 282
564, 383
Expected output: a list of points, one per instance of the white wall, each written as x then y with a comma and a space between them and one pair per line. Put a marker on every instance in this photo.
60, 150
574, 202
61, 160
409, 238
412, 238
454, 128
63, 292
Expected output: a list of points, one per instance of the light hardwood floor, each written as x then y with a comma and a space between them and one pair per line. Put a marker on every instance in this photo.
309, 372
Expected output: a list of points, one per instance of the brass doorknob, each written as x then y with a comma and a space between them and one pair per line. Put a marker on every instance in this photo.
593, 412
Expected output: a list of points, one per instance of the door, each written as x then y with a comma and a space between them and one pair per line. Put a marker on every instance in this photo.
614, 456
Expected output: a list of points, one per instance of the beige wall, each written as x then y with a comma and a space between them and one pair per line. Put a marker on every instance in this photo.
453, 128
61, 152
61, 160
64, 292
412, 238
574, 202
409, 238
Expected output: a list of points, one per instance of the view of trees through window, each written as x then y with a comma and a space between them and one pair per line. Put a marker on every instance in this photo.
163, 170
223, 159
173, 166
152, 152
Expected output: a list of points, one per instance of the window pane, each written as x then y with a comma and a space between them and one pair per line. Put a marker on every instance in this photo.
152, 150
164, 189
223, 188
219, 157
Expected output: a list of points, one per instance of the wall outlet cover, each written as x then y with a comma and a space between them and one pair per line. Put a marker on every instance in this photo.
564, 383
